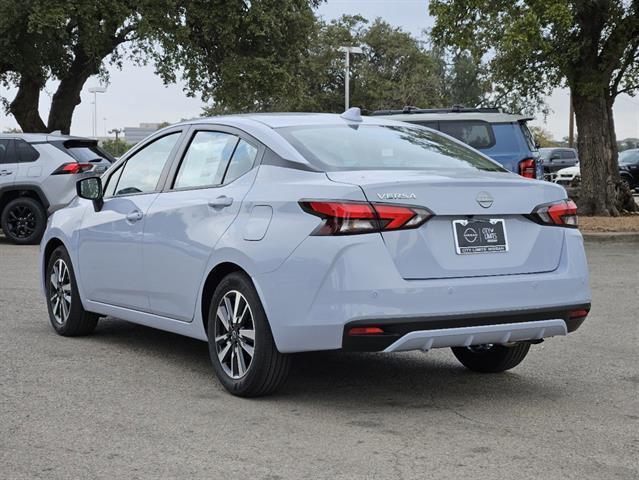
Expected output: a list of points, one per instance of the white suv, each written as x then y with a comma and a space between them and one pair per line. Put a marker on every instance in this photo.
38, 173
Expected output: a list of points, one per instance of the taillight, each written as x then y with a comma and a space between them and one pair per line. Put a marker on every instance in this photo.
562, 213
528, 168
72, 168
350, 217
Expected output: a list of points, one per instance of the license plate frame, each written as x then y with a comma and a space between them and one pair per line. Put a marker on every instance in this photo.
477, 236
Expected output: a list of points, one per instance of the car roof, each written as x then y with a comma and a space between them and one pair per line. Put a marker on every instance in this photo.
43, 137
283, 119
490, 117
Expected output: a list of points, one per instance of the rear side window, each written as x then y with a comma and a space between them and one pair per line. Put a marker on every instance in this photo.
205, 160
569, 154
380, 147
475, 133
5, 156
26, 153
530, 140
242, 161
141, 172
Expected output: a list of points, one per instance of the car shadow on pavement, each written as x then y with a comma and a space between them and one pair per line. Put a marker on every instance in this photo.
411, 380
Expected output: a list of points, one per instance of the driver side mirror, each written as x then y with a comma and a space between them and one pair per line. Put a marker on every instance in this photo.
91, 189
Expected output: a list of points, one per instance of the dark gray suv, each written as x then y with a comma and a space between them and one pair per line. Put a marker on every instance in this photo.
554, 159
38, 173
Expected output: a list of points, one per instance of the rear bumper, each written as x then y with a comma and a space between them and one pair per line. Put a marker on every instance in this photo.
462, 330
329, 283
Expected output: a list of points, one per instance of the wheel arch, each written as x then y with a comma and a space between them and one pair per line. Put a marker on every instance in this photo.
48, 249
213, 279
11, 192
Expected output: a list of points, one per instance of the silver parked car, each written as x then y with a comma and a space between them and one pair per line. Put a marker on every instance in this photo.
38, 173
271, 234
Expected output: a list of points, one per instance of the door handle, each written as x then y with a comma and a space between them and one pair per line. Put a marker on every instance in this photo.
221, 202
134, 216
5, 172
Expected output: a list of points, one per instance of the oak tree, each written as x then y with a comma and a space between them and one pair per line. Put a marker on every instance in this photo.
533, 46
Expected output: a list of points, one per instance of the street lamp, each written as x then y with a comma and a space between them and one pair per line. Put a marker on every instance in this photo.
347, 71
95, 91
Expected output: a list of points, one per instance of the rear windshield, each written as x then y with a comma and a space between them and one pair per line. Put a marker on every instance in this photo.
85, 152
629, 157
380, 147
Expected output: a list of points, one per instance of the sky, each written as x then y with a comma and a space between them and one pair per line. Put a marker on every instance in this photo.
135, 94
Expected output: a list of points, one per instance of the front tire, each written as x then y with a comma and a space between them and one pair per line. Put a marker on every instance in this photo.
66, 313
241, 345
23, 221
491, 358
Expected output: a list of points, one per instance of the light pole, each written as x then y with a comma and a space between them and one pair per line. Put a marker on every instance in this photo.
347, 71
95, 91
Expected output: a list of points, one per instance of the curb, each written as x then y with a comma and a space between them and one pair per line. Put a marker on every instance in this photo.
609, 237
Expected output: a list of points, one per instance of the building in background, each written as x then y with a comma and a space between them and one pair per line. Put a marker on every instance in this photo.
133, 135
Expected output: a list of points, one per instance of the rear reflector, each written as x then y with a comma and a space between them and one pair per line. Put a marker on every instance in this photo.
527, 168
365, 331
581, 313
562, 213
72, 168
351, 217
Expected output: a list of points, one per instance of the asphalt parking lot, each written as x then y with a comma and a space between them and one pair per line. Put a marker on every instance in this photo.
133, 402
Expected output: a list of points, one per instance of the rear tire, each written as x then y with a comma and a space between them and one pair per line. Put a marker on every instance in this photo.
66, 313
23, 221
241, 345
494, 359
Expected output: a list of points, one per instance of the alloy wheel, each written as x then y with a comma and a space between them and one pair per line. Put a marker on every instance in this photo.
21, 221
234, 334
60, 291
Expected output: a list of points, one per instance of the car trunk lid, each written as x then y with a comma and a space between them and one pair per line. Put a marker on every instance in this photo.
430, 252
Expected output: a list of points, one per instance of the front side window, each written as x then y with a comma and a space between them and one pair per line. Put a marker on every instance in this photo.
142, 171
205, 160
475, 133
380, 147
112, 182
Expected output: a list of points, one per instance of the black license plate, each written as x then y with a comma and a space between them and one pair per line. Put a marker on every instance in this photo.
480, 236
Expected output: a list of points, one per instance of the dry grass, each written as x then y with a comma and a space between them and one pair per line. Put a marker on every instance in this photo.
627, 223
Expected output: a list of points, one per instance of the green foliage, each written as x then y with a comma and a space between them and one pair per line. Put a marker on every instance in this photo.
116, 147
533, 46
543, 137
226, 49
395, 70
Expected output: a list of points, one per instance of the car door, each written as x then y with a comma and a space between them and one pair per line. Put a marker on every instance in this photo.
200, 201
8, 163
110, 242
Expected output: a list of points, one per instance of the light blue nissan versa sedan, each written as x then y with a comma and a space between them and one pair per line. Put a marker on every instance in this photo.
278, 233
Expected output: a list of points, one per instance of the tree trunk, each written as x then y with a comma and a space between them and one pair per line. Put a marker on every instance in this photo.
24, 106
597, 146
63, 104
66, 98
